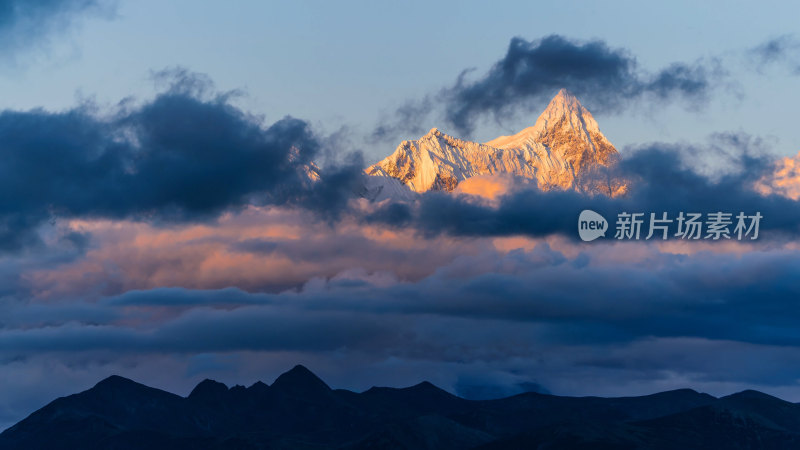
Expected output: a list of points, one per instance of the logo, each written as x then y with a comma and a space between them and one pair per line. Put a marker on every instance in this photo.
591, 225
715, 226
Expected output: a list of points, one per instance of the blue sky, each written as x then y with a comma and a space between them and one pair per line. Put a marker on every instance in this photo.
344, 63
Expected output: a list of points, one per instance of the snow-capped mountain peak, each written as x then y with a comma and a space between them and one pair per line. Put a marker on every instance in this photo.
564, 110
561, 150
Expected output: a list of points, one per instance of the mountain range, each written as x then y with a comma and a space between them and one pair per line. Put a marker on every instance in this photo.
300, 411
564, 149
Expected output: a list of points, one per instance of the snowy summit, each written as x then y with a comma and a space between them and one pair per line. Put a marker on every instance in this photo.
563, 149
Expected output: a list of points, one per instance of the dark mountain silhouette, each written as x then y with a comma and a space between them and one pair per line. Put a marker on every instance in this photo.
300, 411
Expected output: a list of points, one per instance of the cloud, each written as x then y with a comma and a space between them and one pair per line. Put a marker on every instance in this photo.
408, 118
488, 385
784, 50
785, 180
185, 155
540, 293
607, 79
23, 22
258, 249
490, 187
205, 330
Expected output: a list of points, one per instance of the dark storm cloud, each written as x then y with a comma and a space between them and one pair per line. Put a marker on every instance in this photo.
25, 21
604, 78
182, 156
660, 180
531, 72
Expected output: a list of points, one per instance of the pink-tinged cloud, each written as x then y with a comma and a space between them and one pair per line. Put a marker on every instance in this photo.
490, 186
275, 249
785, 180
260, 249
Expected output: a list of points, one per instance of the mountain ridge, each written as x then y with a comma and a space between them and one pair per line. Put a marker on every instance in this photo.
302, 411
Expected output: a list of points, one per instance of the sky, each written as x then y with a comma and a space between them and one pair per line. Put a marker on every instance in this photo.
154, 223
348, 63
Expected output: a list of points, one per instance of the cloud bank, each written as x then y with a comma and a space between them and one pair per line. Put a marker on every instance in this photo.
182, 156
